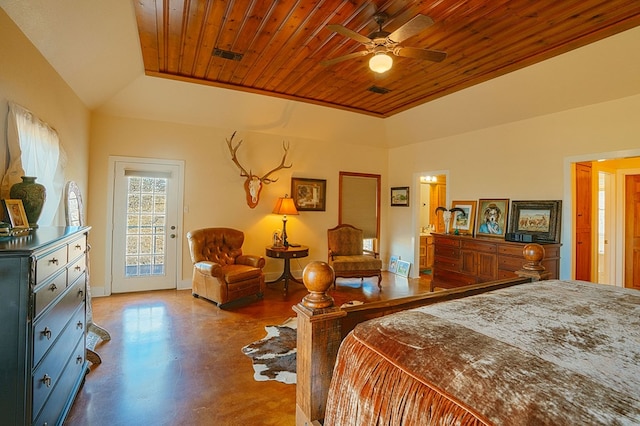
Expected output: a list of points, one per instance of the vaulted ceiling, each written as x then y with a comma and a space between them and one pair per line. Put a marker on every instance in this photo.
276, 47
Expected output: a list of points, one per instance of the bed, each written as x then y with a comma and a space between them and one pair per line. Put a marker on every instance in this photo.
511, 352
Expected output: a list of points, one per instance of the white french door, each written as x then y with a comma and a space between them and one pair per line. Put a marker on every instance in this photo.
145, 240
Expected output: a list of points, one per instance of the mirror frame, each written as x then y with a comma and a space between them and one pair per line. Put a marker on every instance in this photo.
378, 179
73, 211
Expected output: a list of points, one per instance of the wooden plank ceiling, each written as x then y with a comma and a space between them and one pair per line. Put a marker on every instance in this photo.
282, 42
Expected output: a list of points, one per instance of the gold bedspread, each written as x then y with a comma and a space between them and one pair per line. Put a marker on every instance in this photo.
547, 353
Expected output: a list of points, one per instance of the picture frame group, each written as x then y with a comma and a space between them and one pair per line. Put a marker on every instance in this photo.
497, 217
398, 266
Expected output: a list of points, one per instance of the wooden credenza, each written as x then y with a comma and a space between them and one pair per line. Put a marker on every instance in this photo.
462, 260
42, 324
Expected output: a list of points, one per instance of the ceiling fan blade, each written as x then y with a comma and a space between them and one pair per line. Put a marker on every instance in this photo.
412, 52
411, 28
349, 33
344, 58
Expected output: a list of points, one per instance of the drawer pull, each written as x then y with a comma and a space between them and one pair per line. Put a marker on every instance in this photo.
78, 247
54, 261
53, 287
46, 333
46, 380
79, 359
79, 325
80, 293
78, 268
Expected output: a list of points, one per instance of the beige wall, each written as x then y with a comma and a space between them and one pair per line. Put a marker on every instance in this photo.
523, 160
214, 193
26, 78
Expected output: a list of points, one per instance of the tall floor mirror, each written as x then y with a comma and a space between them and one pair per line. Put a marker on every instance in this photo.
75, 217
359, 205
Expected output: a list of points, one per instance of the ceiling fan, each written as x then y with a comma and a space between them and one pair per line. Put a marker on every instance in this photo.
382, 42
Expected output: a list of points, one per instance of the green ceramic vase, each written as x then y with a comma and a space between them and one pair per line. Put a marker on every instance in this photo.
33, 196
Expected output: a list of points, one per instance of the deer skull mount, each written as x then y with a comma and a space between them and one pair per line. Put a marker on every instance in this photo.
253, 183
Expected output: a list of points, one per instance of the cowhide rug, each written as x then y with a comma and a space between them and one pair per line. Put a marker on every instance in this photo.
274, 357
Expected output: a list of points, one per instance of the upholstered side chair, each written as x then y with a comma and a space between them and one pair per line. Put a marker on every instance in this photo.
347, 256
221, 273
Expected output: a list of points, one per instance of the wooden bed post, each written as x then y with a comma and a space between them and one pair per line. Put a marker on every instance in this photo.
533, 254
319, 337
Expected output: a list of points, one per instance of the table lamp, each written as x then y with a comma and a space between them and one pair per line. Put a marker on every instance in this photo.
285, 206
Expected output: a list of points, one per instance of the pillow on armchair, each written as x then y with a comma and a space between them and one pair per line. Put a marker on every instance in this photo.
221, 272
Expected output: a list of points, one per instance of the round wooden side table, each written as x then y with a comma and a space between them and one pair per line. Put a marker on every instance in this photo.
287, 253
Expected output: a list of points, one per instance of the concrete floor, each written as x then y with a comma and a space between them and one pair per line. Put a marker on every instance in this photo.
176, 360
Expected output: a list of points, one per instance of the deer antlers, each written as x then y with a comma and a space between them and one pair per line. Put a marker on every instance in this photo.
253, 183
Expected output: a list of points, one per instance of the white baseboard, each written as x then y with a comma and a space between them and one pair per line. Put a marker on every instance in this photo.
184, 285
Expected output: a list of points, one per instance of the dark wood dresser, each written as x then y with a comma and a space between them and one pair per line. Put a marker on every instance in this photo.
42, 324
462, 260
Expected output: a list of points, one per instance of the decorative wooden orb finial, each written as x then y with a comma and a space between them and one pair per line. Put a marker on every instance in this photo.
533, 254
317, 277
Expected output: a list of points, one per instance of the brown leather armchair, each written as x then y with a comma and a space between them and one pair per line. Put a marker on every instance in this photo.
347, 256
221, 273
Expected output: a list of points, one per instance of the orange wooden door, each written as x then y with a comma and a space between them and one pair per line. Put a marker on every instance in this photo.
632, 232
583, 221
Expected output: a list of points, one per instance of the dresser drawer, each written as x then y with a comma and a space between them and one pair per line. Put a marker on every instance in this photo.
444, 241
77, 248
48, 373
49, 291
48, 327
510, 263
446, 251
511, 250
68, 383
49, 263
76, 269
479, 247
447, 263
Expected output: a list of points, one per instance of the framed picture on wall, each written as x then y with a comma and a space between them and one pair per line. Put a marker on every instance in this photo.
463, 221
309, 194
538, 218
400, 196
492, 217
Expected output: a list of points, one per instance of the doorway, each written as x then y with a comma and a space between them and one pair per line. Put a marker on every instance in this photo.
146, 214
597, 245
432, 192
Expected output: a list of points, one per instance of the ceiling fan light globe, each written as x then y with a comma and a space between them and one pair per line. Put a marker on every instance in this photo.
380, 62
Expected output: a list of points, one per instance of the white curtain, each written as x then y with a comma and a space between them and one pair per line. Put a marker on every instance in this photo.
34, 150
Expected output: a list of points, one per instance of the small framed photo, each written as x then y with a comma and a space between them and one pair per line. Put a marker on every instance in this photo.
16, 214
400, 196
309, 194
463, 221
492, 217
393, 263
403, 268
538, 218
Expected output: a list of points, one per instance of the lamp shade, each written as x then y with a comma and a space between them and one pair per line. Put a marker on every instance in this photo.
285, 205
380, 62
